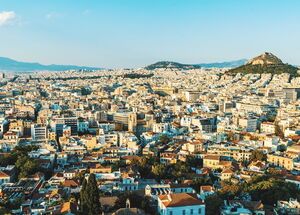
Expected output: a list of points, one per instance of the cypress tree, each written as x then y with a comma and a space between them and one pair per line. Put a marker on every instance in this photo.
83, 197
93, 203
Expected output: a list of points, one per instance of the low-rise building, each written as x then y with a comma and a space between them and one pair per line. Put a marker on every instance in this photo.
180, 204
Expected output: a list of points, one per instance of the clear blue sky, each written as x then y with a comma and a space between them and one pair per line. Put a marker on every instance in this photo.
133, 33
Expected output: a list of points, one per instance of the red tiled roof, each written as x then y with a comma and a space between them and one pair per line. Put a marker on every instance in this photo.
70, 183
293, 177
206, 188
180, 200
212, 157
3, 175
227, 171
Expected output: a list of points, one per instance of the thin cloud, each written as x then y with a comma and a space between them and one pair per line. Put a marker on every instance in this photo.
7, 17
53, 15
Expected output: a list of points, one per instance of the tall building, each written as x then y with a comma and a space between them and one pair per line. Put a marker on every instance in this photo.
38, 132
127, 119
68, 121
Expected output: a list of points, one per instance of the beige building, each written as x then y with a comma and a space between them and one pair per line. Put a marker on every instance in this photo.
215, 162
267, 127
281, 161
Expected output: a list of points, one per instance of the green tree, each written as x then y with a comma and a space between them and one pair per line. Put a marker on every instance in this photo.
164, 139
144, 166
194, 162
258, 155
83, 197
93, 202
197, 182
271, 190
136, 201
230, 190
158, 171
178, 171
26, 166
213, 204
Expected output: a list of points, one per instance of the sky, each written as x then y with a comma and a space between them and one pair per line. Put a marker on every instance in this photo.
135, 33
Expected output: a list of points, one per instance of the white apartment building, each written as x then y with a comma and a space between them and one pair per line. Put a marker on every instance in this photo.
38, 132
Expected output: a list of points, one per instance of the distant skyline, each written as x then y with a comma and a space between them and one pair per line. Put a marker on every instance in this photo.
135, 33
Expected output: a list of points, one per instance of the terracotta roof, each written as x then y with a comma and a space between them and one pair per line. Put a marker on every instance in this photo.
168, 155
293, 177
212, 157
180, 200
70, 183
225, 163
206, 188
131, 157
227, 171
3, 175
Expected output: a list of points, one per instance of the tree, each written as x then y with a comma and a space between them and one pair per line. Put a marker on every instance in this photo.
179, 171
213, 204
117, 165
80, 176
271, 190
230, 190
164, 139
159, 171
93, 201
83, 197
258, 155
136, 201
197, 182
278, 130
144, 166
26, 166
194, 162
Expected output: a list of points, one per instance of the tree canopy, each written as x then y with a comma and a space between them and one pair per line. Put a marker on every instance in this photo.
89, 196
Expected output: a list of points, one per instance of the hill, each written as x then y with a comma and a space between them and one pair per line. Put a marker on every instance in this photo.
7, 64
180, 66
171, 65
265, 63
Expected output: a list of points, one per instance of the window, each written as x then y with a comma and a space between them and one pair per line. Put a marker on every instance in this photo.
183, 212
171, 213
192, 211
199, 211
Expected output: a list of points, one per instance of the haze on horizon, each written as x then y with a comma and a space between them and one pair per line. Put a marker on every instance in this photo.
136, 33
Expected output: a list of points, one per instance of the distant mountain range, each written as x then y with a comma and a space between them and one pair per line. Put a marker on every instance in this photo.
180, 66
265, 63
7, 64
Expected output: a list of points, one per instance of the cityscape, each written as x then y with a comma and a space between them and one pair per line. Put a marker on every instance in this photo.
166, 137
